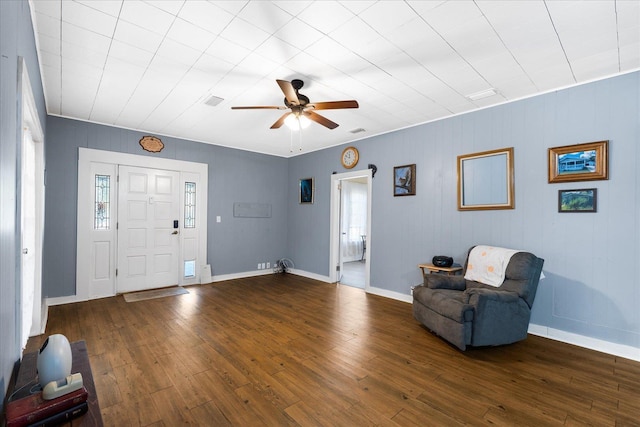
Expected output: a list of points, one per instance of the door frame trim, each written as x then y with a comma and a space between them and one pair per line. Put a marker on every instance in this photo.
334, 223
87, 156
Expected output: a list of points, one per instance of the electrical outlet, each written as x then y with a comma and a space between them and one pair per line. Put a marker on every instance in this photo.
268, 265
259, 267
262, 266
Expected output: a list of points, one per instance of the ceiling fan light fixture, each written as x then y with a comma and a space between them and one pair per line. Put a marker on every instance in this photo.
297, 122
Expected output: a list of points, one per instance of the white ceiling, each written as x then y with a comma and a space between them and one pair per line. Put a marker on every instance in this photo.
150, 65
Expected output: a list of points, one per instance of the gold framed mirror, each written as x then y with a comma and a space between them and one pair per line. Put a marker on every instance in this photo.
485, 180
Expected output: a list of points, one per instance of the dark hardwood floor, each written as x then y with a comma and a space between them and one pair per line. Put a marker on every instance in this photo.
282, 350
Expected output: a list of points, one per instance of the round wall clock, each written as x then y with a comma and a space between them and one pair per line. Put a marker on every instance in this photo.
350, 157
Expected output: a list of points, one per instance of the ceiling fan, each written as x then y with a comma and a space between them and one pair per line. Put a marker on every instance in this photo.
300, 105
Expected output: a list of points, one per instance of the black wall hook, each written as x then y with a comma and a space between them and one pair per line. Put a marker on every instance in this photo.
374, 169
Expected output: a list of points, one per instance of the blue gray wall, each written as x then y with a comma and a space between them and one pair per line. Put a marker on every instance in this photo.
591, 288
16, 40
235, 245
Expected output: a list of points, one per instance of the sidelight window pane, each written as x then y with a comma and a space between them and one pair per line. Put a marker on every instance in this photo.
189, 205
102, 206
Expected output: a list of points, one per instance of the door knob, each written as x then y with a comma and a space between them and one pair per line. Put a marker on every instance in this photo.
25, 251
175, 232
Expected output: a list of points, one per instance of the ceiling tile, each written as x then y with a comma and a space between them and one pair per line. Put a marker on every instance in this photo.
253, 61
137, 36
76, 101
206, 15
88, 18
277, 51
293, 7
178, 52
552, 76
171, 69
51, 8
170, 6
354, 34
630, 57
265, 15
50, 59
245, 34
83, 55
451, 16
589, 67
325, 16
50, 45
227, 50
82, 75
48, 26
232, 6
146, 16
110, 7
190, 35
329, 51
216, 68
85, 38
386, 16
133, 55
298, 34
357, 7
121, 75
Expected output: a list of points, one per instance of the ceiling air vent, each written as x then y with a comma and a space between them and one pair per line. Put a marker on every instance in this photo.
357, 130
213, 101
482, 94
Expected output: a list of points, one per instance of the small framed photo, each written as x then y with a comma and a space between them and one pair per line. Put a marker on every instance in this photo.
307, 189
404, 180
583, 200
581, 162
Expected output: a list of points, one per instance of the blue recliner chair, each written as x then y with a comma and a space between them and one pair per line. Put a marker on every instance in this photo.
470, 313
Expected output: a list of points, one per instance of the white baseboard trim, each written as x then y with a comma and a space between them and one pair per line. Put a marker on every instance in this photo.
313, 276
390, 294
45, 317
244, 274
621, 350
64, 300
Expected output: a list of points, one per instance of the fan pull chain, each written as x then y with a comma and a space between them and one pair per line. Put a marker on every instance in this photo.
291, 141
300, 135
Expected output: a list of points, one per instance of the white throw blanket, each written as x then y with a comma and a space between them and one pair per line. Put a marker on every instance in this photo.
487, 264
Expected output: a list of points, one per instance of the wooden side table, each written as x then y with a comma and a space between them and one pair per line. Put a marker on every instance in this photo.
451, 271
28, 372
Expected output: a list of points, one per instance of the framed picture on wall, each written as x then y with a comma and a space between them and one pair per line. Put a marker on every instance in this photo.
404, 180
580, 162
306, 191
584, 200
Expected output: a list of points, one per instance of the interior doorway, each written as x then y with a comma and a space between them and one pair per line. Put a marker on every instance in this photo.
31, 190
351, 228
353, 231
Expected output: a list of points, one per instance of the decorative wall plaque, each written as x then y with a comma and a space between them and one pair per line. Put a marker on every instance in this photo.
152, 144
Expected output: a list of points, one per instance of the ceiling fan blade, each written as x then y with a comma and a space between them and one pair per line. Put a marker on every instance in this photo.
280, 121
289, 92
320, 119
333, 105
264, 107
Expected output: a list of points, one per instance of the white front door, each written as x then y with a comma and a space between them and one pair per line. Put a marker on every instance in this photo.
148, 239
